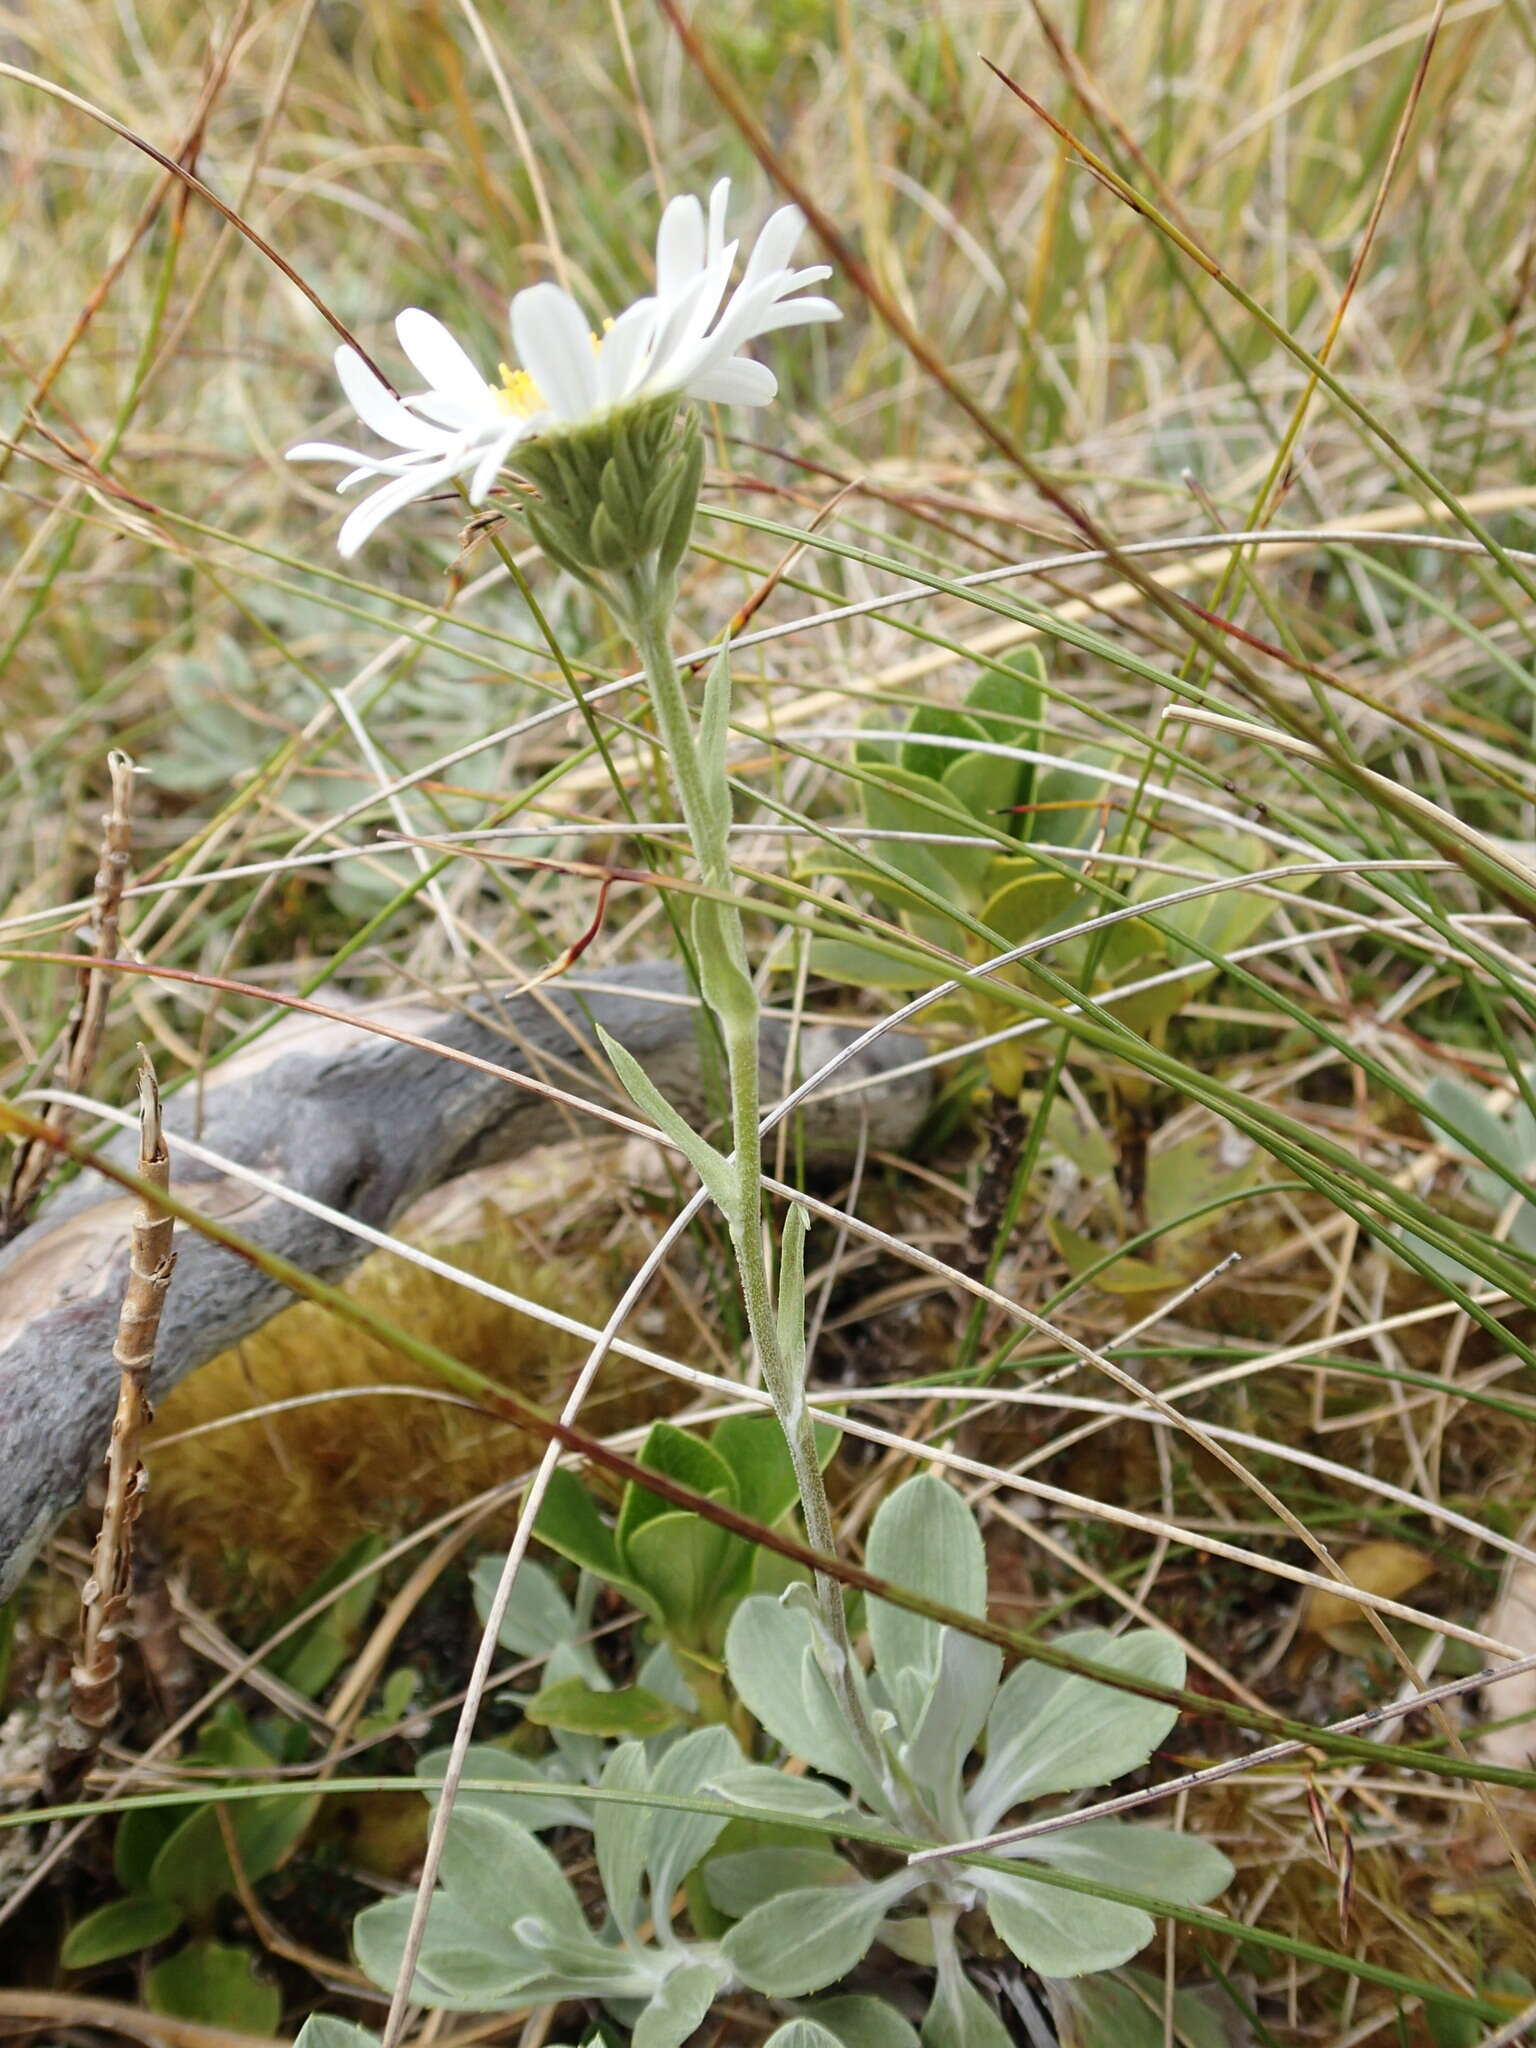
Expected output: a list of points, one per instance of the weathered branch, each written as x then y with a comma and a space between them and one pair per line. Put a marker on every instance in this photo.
359, 1122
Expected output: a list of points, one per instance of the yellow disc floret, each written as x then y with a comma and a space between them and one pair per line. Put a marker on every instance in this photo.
519, 394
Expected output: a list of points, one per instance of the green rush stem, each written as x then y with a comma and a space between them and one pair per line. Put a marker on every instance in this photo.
647, 603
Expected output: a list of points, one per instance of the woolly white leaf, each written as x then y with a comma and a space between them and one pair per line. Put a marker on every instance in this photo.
1051, 1731
925, 1539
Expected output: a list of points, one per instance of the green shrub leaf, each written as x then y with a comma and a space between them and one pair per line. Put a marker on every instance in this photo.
119, 1929
215, 1985
859, 2022
628, 1711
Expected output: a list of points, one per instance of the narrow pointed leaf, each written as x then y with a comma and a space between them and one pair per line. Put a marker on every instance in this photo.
956, 1710
706, 1162
724, 975
791, 1308
714, 736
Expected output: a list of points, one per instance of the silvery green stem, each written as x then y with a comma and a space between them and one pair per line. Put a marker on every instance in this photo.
647, 602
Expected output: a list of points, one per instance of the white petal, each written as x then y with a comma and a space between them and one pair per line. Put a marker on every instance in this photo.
796, 313
719, 201
775, 245
364, 519
454, 414
554, 345
406, 464
741, 382
758, 309
701, 355
742, 318
439, 358
624, 354
367, 465
488, 468
680, 246
376, 407
681, 325
326, 451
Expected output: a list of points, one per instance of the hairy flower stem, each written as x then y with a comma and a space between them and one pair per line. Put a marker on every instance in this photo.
646, 605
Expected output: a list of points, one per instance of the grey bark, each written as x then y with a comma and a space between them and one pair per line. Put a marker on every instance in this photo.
364, 1125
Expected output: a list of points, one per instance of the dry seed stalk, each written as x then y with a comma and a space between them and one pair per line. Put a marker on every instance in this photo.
82, 1040
1007, 1133
104, 1601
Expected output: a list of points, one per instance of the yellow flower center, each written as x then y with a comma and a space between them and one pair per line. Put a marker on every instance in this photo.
519, 395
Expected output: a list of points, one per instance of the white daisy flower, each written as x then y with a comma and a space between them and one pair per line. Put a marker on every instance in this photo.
684, 341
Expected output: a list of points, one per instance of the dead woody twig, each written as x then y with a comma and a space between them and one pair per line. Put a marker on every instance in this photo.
82, 1039
104, 1600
